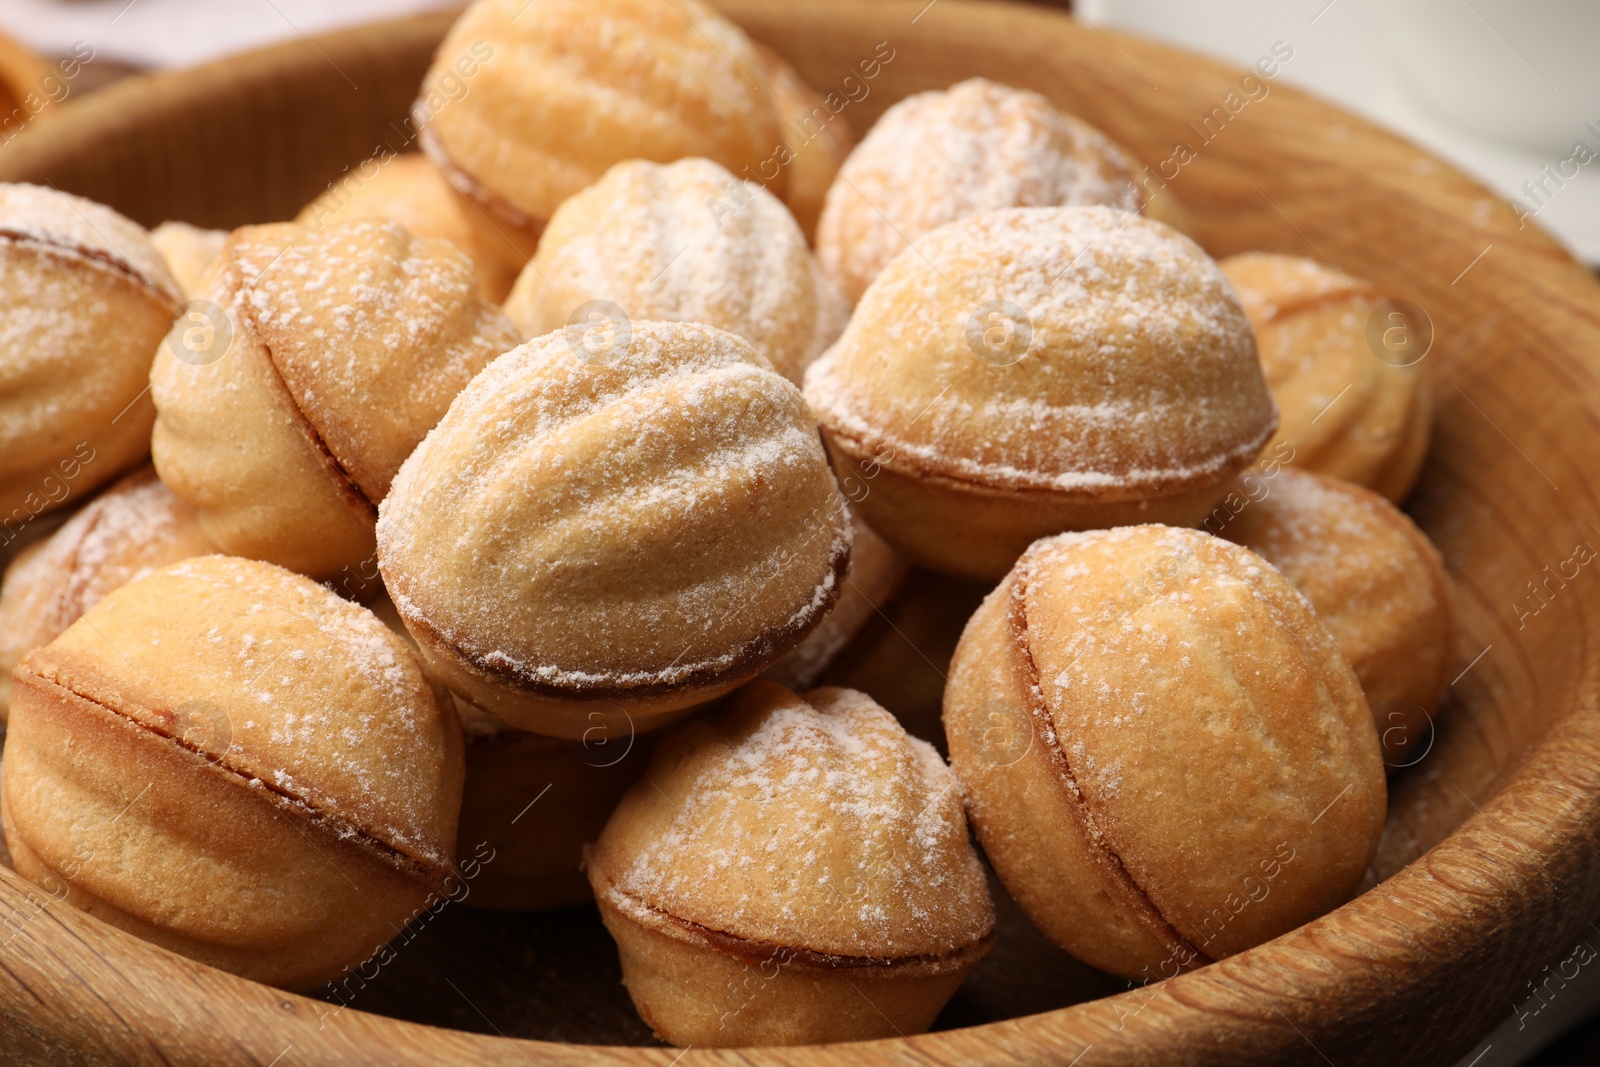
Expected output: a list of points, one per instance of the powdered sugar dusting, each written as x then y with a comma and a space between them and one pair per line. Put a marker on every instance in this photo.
373, 331
937, 157
121, 536
685, 242
574, 523
577, 86
321, 699
73, 225
826, 819
1140, 370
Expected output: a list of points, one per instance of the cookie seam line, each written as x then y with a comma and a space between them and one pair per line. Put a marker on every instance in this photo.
343, 829
72, 250
694, 675
313, 434
724, 942
1171, 483
494, 206
1098, 839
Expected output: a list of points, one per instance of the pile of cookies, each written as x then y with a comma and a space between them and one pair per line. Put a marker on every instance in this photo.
568, 455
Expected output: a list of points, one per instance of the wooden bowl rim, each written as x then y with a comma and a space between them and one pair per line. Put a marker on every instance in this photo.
1492, 869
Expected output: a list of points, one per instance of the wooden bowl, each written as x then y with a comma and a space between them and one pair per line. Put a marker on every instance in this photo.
1491, 862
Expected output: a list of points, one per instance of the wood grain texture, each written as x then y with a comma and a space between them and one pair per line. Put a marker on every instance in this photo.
1491, 862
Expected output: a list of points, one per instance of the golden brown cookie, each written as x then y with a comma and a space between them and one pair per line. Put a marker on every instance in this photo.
623, 529
128, 531
817, 135
1167, 758
1035, 370
683, 242
1344, 365
332, 353
527, 104
937, 157
188, 252
230, 761
85, 299
410, 190
792, 871
1378, 583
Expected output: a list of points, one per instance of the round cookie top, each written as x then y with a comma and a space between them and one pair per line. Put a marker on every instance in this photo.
70, 225
562, 89
936, 157
686, 242
1158, 655
1375, 579
813, 823
283, 683
373, 330
1077, 350
636, 515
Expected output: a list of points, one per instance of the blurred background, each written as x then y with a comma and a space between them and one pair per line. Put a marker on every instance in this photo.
1508, 90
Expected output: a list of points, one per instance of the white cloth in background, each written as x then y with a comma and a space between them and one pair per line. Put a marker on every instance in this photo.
1354, 53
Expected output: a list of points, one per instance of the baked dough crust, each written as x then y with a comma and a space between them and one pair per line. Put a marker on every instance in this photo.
1126, 387
809, 841
1346, 412
649, 530
1166, 757
231, 761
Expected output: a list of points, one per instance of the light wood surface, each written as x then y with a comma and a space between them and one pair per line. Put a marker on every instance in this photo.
1492, 856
